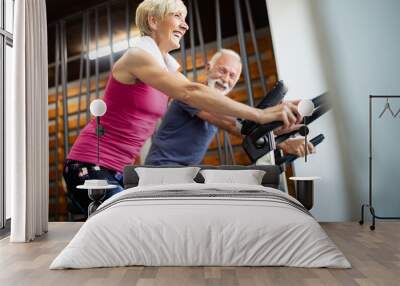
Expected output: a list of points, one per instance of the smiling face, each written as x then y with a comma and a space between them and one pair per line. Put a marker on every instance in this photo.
224, 73
164, 21
169, 31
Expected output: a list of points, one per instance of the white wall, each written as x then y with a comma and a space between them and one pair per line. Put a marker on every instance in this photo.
352, 49
361, 41
299, 64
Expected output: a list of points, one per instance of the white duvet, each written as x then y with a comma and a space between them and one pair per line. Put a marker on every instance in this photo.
183, 231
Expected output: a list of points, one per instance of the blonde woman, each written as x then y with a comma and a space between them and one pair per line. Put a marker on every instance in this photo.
137, 95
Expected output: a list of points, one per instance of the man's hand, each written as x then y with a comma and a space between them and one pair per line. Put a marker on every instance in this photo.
295, 146
281, 131
223, 122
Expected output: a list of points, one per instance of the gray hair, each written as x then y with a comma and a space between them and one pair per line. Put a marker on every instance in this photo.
229, 52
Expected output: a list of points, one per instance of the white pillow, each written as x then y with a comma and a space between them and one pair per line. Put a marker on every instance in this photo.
248, 177
166, 176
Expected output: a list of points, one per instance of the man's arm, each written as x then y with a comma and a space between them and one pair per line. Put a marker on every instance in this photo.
294, 146
226, 123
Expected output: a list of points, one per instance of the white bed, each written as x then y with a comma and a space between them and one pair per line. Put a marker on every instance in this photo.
203, 225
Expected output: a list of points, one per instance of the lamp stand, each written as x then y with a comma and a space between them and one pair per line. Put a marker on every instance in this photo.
99, 132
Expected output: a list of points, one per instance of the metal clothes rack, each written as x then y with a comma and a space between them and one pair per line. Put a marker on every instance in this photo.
369, 205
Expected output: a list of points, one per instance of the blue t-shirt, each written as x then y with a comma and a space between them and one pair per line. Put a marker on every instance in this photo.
182, 138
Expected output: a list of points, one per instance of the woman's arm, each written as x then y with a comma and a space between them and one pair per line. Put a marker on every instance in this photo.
141, 65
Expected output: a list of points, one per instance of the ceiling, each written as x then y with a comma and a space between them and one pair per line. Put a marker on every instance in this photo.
58, 9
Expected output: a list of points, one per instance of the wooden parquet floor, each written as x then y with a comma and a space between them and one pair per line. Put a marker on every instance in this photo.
375, 257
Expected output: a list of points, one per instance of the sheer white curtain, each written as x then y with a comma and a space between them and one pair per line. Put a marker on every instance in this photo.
27, 155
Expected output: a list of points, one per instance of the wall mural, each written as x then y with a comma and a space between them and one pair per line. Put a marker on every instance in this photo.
106, 113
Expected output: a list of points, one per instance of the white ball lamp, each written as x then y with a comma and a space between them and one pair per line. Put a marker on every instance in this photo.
98, 108
305, 108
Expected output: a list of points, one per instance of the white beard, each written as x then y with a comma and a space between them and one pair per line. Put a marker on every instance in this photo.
212, 83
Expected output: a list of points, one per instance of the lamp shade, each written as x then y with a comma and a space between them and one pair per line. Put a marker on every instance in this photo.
98, 107
305, 107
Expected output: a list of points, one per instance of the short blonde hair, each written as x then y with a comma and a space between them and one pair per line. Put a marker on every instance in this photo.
158, 9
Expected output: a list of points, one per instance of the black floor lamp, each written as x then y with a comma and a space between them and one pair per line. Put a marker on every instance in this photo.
98, 108
97, 188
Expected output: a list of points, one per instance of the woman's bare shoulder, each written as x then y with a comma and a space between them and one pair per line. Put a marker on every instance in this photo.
138, 57
132, 59
122, 68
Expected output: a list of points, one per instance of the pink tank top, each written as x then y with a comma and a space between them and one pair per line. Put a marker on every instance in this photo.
131, 117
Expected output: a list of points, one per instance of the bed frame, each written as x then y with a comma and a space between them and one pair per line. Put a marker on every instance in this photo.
270, 179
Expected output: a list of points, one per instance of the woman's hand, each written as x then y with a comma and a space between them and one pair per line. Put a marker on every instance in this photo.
286, 112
